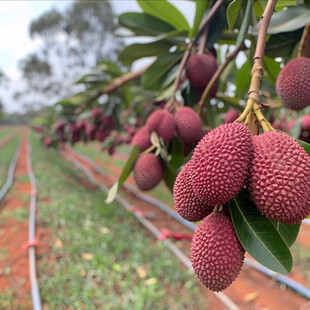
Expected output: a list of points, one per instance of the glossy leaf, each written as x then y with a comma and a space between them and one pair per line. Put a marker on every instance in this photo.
243, 78
258, 235
144, 24
245, 23
177, 157
272, 68
201, 7
169, 177
288, 232
166, 12
304, 145
293, 18
161, 45
282, 44
233, 12
134, 155
155, 74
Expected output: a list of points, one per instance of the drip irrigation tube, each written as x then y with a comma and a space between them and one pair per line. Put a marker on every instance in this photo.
11, 171
148, 225
35, 293
299, 288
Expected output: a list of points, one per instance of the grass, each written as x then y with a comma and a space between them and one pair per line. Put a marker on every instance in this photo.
301, 256
6, 131
161, 191
6, 155
105, 259
19, 214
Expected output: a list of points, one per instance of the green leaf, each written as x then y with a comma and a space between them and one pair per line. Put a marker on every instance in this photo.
258, 236
288, 232
144, 24
169, 177
272, 68
134, 155
155, 74
296, 129
282, 44
304, 145
109, 68
177, 156
293, 18
160, 46
245, 23
243, 78
201, 7
166, 12
233, 12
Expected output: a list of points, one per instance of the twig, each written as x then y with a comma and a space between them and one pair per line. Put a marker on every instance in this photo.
304, 45
203, 25
217, 74
203, 40
116, 83
257, 69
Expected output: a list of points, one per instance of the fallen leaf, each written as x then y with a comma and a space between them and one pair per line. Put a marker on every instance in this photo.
104, 230
251, 296
150, 281
87, 256
58, 244
141, 271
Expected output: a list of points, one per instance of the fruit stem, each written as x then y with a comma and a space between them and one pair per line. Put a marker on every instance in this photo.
203, 25
257, 70
304, 45
217, 74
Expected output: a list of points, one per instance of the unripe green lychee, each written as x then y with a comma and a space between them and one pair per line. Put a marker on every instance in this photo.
220, 163
142, 139
188, 125
199, 69
293, 83
216, 253
185, 201
162, 122
148, 171
279, 182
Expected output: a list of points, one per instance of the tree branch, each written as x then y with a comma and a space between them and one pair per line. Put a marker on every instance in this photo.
217, 74
257, 69
116, 83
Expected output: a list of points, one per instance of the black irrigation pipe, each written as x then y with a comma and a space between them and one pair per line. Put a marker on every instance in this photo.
35, 293
11, 171
148, 225
299, 288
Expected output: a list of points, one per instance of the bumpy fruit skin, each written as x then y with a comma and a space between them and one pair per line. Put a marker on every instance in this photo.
185, 201
142, 139
162, 122
279, 181
148, 171
217, 255
293, 83
188, 126
199, 69
220, 163
231, 116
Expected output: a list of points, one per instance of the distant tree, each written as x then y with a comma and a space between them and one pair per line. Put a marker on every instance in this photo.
72, 41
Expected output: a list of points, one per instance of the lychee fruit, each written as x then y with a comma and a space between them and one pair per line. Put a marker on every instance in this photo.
220, 163
100, 135
142, 139
60, 125
185, 201
305, 123
148, 171
108, 122
162, 122
90, 132
188, 126
293, 83
279, 182
231, 116
199, 69
47, 141
216, 253
96, 113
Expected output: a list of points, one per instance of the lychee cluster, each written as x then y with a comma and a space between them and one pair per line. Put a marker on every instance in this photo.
274, 169
186, 124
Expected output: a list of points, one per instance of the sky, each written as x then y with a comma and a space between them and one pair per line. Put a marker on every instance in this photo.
15, 42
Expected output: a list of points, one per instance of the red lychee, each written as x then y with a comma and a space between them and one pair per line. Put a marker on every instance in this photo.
142, 139
216, 253
148, 171
231, 116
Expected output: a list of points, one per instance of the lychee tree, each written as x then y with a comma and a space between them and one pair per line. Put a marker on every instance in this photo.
241, 63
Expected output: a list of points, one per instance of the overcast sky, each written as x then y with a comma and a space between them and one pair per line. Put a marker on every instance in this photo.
15, 43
